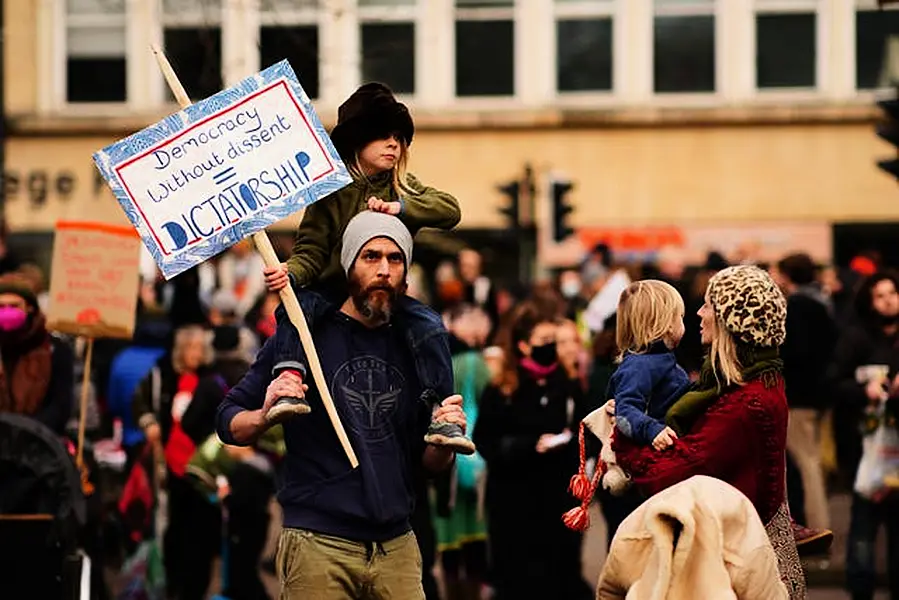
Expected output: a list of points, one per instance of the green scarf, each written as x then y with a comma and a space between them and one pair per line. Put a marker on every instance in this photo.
755, 362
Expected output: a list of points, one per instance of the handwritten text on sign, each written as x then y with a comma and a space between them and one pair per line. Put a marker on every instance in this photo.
242, 159
221, 170
93, 286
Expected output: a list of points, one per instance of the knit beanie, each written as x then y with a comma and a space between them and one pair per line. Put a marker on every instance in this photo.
751, 306
14, 283
369, 225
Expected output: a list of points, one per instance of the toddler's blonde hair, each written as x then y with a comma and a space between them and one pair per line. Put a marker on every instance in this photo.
647, 311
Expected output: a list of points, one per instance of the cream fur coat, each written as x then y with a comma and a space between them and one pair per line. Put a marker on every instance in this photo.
698, 540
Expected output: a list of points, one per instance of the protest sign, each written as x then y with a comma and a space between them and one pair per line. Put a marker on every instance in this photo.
94, 280
222, 169
93, 293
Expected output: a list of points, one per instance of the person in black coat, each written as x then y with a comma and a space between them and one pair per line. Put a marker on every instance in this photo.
525, 434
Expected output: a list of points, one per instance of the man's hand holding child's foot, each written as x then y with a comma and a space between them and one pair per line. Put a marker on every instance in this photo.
286, 394
665, 439
447, 428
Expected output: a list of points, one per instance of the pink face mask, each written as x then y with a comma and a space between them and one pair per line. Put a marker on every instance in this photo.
12, 318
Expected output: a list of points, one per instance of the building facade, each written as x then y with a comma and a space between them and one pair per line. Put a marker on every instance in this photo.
726, 115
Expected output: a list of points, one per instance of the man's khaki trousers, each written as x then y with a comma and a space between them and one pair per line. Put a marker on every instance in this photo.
314, 566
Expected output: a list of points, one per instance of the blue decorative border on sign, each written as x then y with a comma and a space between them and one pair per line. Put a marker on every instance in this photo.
109, 158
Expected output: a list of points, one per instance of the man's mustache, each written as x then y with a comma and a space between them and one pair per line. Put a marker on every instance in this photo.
386, 287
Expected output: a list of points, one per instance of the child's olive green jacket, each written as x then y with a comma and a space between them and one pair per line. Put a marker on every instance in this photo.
316, 252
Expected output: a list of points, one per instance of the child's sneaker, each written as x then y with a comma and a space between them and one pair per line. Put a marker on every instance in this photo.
445, 434
285, 408
449, 435
811, 542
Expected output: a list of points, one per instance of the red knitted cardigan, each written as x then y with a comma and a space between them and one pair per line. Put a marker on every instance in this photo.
741, 439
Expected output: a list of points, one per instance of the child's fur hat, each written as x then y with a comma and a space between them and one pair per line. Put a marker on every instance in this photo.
370, 113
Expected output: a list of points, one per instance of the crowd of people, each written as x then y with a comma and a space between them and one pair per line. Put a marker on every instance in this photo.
529, 368
463, 399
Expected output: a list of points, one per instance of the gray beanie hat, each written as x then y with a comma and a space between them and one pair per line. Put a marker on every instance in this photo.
369, 225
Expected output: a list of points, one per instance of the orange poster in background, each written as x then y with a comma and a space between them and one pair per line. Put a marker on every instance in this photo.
94, 280
760, 241
632, 239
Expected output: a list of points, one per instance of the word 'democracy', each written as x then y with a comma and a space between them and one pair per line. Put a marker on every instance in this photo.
222, 169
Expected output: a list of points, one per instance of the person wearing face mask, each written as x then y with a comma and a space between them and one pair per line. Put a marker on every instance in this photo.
524, 433
36, 378
572, 288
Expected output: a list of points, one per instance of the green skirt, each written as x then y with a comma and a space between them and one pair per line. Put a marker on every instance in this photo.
462, 526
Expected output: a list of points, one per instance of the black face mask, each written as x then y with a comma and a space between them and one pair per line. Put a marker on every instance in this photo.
544, 355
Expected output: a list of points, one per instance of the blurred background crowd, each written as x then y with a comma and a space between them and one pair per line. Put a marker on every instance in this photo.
197, 333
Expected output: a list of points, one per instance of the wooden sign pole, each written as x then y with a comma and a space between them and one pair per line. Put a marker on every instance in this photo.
288, 297
85, 388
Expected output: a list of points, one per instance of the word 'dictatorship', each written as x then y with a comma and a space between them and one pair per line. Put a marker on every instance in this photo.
223, 168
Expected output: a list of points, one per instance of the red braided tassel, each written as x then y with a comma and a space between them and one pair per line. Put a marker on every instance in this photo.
577, 518
580, 487
580, 484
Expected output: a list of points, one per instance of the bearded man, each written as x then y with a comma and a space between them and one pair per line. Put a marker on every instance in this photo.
346, 532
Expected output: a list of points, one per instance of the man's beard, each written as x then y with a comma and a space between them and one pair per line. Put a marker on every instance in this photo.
375, 302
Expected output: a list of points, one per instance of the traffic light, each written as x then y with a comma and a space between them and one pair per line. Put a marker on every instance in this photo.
888, 130
512, 209
560, 209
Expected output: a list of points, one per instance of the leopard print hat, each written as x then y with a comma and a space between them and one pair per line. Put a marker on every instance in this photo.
750, 304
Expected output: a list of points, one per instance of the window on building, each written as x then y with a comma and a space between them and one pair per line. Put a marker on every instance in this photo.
785, 49
584, 45
387, 43
192, 35
290, 31
95, 51
876, 48
684, 46
485, 48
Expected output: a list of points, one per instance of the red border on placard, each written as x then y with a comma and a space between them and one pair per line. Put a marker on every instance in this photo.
282, 83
